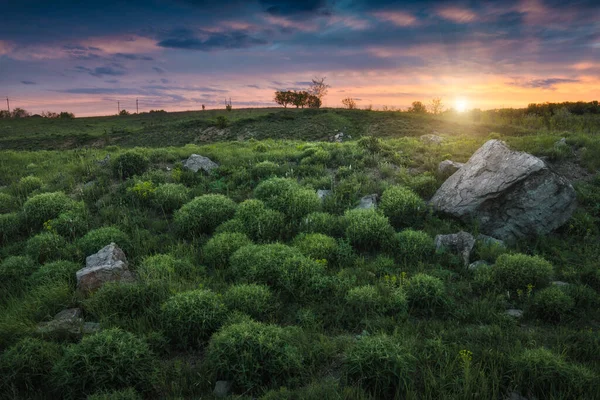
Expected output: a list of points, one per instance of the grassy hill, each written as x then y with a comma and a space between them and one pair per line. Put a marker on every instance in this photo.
244, 275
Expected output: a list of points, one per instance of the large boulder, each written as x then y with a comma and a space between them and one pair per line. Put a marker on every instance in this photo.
510, 194
107, 265
197, 162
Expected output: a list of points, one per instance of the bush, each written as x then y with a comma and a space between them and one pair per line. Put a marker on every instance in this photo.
7, 203
27, 185
47, 247
254, 300
15, 270
219, 248
540, 373
10, 224
203, 214
260, 223
381, 365
72, 223
317, 246
254, 355
165, 267
368, 229
125, 394
109, 360
189, 318
128, 164
425, 293
96, 239
369, 299
414, 246
321, 222
402, 206
516, 271
55, 273
288, 197
26, 366
43, 207
265, 169
552, 304
170, 196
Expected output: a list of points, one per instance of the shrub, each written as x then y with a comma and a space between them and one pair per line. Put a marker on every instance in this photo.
56, 272
26, 366
118, 302
321, 222
231, 226
254, 355
265, 169
15, 270
170, 196
402, 206
47, 247
414, 246
381, 365
72, 223
43, 207
541, 372
96, 239
552, 304
516, 271
425, 293
7, 203
10, 224
317, 246
189, 318
142, 191
165, 267
109, 360
129, 163
368, 229
288, 197
203, 214
27, 185
254, 300
260, 223
365, 299
219, 248
125, 394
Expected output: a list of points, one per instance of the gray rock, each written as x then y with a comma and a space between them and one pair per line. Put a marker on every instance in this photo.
89, 184
322, 193
197, 162
510, 194
67, 323
490, 241
559, 283
560, 143
222, 389
108, 265
513, 312
368, 202
338, 137
448, 167
478, 264
431, 139
104, 162
516, 396
461, 243
90, 328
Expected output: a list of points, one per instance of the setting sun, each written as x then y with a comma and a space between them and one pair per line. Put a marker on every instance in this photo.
460, 105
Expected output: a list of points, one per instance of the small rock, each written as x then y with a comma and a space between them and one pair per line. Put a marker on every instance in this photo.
322, 193
197, 162
513, 312
490, 241
478, 264
108, 265
338, 137
222, 389
105, 161
368, 202
431, 139
67, 323
448, 167
560, 143
559, 283
460, 243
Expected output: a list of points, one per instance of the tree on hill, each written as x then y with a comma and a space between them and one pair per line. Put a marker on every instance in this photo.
19, 113
283, 97
314, 101
349, 103
300, 99
124, 112
417, 108
436, 106
318, 88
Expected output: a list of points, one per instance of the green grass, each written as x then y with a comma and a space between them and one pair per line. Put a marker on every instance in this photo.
330, 304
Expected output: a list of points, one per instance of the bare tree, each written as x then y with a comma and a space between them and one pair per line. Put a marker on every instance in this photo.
318, 87
349, 103
436, 106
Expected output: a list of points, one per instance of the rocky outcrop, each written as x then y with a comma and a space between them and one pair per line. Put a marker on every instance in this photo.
460, 243
368, 202
448, 167
67, 323
197, 162
107, 265
510, 194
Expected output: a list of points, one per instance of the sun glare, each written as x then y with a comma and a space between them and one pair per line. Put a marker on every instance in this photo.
461, 105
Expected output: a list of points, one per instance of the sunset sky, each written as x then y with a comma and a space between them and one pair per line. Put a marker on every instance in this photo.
84, 56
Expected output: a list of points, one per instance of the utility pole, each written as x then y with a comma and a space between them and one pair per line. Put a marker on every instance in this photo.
8, 105
137, 110
118, 107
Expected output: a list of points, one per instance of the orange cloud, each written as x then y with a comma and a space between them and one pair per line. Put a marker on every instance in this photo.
128, 44
398, 18
456, 14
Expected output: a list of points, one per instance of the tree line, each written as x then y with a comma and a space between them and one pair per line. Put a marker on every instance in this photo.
312, 97
22, 113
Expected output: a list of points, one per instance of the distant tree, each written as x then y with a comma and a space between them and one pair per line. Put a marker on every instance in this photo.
203, 107
124, 112
228, 105
283, 97
66, 115
157, 112
417, 108
300, 99
436, 106
313, 101
4, 114
349, 103
19, 113
318, 88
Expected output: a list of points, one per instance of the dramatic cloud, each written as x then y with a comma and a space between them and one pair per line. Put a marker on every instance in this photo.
213, 41
548, 83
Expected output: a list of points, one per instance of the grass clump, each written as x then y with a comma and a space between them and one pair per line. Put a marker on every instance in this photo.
414, 246
321, 222
516, 271
254, 300
368, 229
129, 163
288, 197
45, 206
317, 246
96, 239
170, 196
190, 318
10, 225
124, 394
381, 365
46, 247
8, 203
260, 223
203, 214
167, 268
15, 270
425, 293
27, 185
109, 360
254, 355
552, 304
402, 206
56, 272
219, 248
